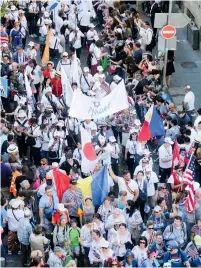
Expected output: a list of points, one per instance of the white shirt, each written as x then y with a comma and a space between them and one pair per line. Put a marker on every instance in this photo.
197, 120
43, 30
83, 84
91, 34
148, 36
89, 126
31, 53
77, 43
150, 183
45, 102
50, 120
12, 222
85, 18
134, 147
86, 234
113, 85
114, 150
122, 187
96, 53
44, 140
54, 42
167, 154
35, 74
66, 65
95, 251
190, 99
35, 131
59, 23
57, 146
77, 154
140, 254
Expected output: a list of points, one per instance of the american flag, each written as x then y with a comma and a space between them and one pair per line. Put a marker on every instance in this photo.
188, 178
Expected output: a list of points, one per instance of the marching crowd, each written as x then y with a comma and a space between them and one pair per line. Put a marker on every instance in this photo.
151, 214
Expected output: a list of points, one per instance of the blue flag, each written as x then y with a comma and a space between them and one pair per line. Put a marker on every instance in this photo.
99, 186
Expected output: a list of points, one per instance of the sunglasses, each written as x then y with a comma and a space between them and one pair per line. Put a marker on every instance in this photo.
163, 188
124, 194
114, 264
42, 164
156, 211
142, 242
151, 228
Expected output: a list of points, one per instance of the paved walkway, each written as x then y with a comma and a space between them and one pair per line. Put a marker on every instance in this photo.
188, 70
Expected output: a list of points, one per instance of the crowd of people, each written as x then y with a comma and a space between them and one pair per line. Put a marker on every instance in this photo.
144, 220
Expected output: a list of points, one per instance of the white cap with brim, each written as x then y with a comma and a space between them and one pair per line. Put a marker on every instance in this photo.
86, 69
21, 113
15, 203
101, 138
31, 43
100, 68
112, 139
65, 54
168, 140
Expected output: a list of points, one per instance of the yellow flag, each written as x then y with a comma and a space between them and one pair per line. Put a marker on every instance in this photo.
85, 186
46, 53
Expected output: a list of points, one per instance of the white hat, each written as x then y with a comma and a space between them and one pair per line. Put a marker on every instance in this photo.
21, 113
101, 76
91, 25
46, 21
48, 107
61, 207
100, 68
118, 30
13, 8
31, 43
146, 151
101, 138
116, 77
12, 148
15, 203
27, 212
112, 139
168, 140
65, 54
55, 165
46, 14
21, 11
105, 244
137, 122
48, 89
148, 168
60, 123
92, 93
133, 130
53, 32
157, 208
5, 45
94, 127
86, 69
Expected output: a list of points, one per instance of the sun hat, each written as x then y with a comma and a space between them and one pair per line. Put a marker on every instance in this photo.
12, 148
112, 139
65, 54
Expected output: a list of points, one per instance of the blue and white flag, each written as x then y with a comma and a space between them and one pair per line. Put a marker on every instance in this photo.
4, 87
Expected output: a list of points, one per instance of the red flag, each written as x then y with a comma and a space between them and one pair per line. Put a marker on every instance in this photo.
61, 182
176, 156
190, 199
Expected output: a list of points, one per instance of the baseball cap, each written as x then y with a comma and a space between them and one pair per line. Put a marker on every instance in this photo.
157, 208
172, 244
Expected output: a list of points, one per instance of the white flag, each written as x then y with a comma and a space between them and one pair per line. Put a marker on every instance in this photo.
66, 87
75, 72
84, 107
89, 158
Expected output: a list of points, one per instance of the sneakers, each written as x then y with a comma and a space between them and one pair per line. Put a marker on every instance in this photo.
9, 252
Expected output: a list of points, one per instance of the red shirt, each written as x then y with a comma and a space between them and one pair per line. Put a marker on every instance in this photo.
56, 87
46, 73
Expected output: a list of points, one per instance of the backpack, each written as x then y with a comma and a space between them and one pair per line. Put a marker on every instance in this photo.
169, 238
64, 232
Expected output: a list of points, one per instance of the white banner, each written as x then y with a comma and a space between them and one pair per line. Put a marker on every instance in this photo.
84, 107
66, 87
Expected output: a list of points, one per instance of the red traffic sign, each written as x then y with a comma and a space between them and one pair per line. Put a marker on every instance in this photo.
168, 32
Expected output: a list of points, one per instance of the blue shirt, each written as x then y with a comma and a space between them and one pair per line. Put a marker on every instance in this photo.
177, 260
160, 252
196, 263
16, 37
161, 222
45, 204
3, 217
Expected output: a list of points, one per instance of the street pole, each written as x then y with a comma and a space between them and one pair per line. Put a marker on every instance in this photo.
166, 45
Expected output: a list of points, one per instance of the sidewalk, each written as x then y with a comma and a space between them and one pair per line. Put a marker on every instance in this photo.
187, 70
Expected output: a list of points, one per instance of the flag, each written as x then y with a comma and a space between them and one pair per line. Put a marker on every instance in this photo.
75, 68
188, 178
84, 107
80, 210
95, 186
66, 87
89, 157
62, 182
99, 186
176, 157
46, 53
152, 126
